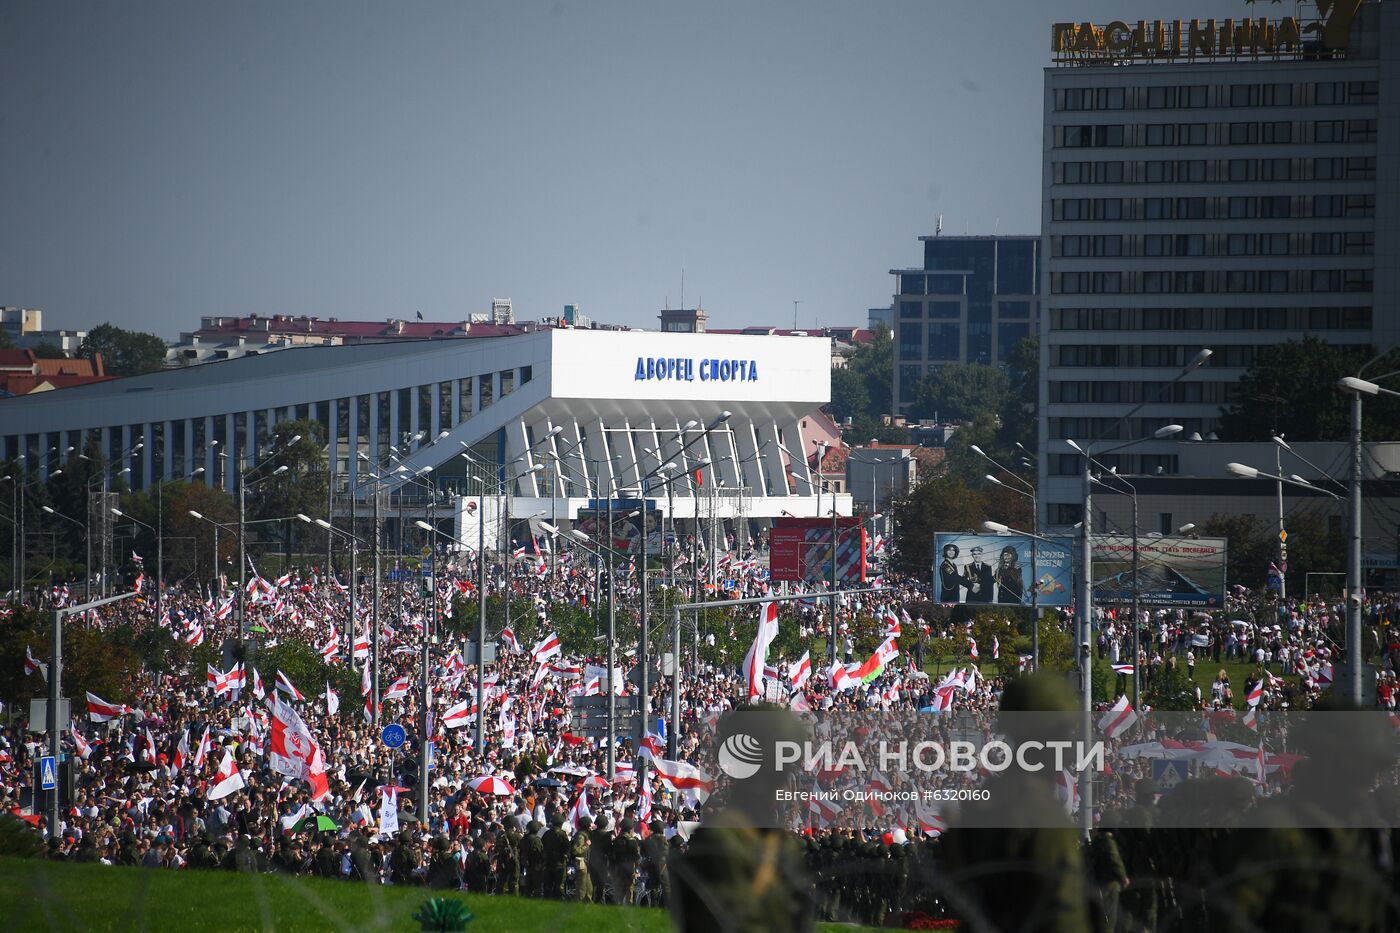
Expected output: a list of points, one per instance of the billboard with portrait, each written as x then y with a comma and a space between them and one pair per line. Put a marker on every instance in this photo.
995, 570
626, 531
1171, 571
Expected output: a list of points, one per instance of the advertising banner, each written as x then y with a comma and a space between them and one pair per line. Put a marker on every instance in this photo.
626, 532
1171, 571
801, 550
996, 570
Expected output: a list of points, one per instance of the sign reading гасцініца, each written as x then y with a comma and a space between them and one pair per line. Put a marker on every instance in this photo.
1166, 39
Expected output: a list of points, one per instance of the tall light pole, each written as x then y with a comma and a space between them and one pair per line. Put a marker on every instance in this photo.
56, 691
1355, 584
1028, 492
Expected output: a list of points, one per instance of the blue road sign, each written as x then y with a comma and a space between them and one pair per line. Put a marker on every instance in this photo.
432, 754
1168, 773
393, 735
48, 774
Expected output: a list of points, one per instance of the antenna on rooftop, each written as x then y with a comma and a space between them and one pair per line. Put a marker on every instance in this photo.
938, 230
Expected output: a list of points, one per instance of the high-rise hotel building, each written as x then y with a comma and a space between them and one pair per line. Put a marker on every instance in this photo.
1220, 183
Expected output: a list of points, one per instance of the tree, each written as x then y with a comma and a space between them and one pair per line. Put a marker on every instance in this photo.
962, 392
1292, 387
300, 446
1018, 420
215, 505
939, 503
864, 386
864, 427
49, 351
124, 352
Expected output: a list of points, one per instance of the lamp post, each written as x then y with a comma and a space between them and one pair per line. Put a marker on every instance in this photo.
1030, 493
602, 551
56, 690
1084, 600
87, 541
1353, 632
160, 553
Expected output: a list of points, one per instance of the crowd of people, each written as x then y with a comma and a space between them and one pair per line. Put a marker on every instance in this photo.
241, 768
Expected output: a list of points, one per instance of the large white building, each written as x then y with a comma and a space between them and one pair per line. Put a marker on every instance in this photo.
598, 410
1224, 183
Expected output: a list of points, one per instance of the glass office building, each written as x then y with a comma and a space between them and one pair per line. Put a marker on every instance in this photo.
970, 302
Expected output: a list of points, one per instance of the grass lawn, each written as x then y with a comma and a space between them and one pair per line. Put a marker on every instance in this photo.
38, 895
1205, 674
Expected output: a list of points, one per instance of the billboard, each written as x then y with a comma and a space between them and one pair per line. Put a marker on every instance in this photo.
626, 535
800, 550
467, 521
995, 570
1171, 571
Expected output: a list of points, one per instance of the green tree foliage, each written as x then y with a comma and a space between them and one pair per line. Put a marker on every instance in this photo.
1172, 688
124, 352
961, 392
1292, 388
300, 446
862, 390
1253, 545
1018, 420
938, 503
93, 660
191, 542
48, 351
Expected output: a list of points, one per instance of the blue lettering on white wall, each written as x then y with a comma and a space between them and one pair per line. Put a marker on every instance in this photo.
684, 369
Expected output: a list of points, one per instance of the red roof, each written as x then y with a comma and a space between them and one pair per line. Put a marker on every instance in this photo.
17, 359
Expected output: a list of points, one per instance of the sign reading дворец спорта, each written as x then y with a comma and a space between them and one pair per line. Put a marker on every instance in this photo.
684, 369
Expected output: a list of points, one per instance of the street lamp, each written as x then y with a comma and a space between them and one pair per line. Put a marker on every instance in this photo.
1030, 493
1357, 387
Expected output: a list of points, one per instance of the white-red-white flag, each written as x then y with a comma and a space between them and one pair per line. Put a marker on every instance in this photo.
229, 778
1119, 718
459, 715
284, 684
508, 636
684, 778
398, 689
547, 648
757, 658
32, 666
332, 700
99, 710
801, 672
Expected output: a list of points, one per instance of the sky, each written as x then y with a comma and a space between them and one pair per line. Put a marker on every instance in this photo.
167, 161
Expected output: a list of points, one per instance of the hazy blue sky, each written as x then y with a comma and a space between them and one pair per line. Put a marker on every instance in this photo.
162, 161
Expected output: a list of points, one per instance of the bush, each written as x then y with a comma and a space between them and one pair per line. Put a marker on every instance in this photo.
19, 837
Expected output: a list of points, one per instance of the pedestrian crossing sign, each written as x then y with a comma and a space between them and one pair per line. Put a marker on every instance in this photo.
48, 774
1168, 774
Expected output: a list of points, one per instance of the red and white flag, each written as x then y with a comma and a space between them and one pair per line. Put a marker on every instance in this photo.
398, 689
1067, 791
285, 685
459, 715
258, 690
99, 710
228, 780
972, 648
757, 657
1122, 668
652, 746
684, 778
1119, 718
840, 678
547, 648
80, 745
205, 747
332, 700
182, 751
578, 810
801, 672
996, 648
361, 647
32, 666
508, 636
293, 751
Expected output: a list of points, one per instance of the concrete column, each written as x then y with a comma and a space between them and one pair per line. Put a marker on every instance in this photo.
435, 410
332, 436
352, 441
189, 448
